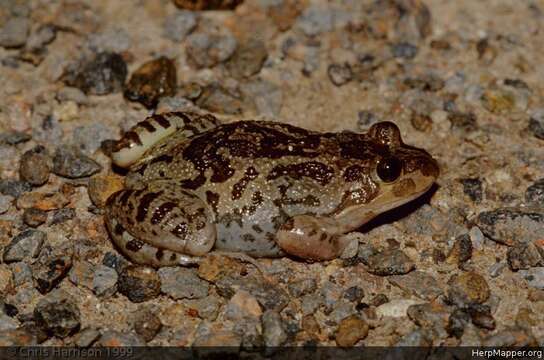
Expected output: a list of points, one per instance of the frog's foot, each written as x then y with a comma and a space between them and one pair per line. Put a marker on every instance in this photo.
160, 225
312, 237
145, 134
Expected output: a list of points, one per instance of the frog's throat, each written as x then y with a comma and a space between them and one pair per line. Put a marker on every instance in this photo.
390, 197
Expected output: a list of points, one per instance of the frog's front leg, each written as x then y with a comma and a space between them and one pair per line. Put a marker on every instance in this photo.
147, 133
160, 225
312, 237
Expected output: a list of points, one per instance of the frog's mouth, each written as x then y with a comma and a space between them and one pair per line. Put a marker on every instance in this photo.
390, 196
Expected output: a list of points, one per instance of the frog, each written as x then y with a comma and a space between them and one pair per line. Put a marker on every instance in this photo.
196, 185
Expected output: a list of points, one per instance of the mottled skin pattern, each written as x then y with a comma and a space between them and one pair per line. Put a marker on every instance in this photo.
254, 187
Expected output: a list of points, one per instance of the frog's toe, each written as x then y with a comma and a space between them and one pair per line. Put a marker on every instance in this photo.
311, 238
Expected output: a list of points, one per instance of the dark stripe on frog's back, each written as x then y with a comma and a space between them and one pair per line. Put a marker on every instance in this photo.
268, 140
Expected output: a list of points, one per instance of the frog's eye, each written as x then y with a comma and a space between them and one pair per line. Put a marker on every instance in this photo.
389, 169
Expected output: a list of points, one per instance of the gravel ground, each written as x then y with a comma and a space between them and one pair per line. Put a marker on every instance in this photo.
462, 79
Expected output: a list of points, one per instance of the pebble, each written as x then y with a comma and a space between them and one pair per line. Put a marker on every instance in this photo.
472, 187
465, 122
180, 24
6, 279
524, 256
421, 284
273, 330
114, 338
5, 203
146, 324
14, 32
498, 101
25, 245
207, 308
139, 283
17, 337
86, 337
340, 74
481, 316
534, 277
354, 294
418, 339
248, 59
216, 98
511, 336
101, 186
68, 93
213, 335
42, 201
34, 217
421, 122
88, 138
14, 188
182, 283
302, 287
431, 316
477, 238
428, 82
467, 288
496, 269
265, 95
114, 261
309, 303
151, 81
35, 166
387, 262
207, 4
205, 50
51, 268
82, 274
69, 162
43, 36
534, 194
114, 39
461, 251
62, 215
14, 137
378, 300
396, 308
315, 20
243, 307
536, 123
351, 330
365, 119
22, 273
104, 74
104, 283
457, 322
404, 50
58, 314
510, 226
7, 323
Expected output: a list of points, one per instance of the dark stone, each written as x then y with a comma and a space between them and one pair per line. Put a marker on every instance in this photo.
425, 83
14, 188
51, 268
457, 322
14, 137
34, 217
472, 188
535, 193
10, 310
215, 98
404, 50
146, 324
62, 215
386, 262
72, 163
481, 316
463, 121
152, 80
302, 287
104, 74
510, 226
114, 261
536, 126
524, 256
57, 314
207, 4
339, 74
378, 300
461, 251
268, 295
354, 294
139, 283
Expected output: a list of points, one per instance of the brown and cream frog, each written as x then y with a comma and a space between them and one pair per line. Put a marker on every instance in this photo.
265, 189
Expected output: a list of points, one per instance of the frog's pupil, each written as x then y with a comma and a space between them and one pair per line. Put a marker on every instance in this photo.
389, 169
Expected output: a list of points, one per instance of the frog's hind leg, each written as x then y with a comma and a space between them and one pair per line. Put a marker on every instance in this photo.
147, 133
312, 237
160, 225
